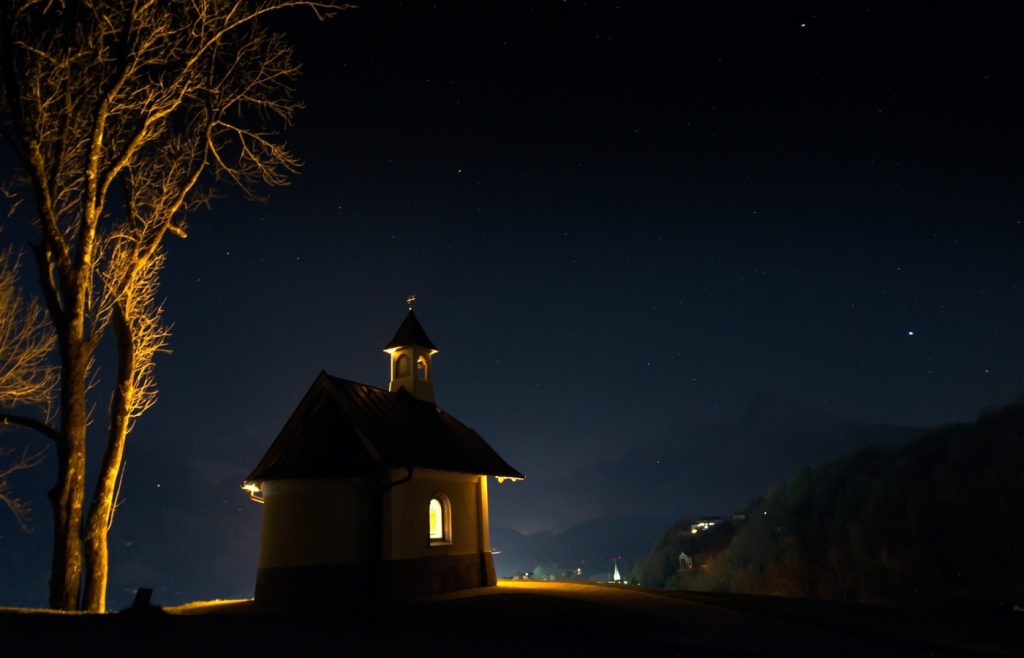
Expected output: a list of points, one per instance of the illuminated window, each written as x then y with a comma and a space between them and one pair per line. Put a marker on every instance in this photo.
422, 368
436, 519
440, 513
402, 366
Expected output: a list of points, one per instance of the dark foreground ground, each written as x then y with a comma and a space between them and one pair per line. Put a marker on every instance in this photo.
525, 619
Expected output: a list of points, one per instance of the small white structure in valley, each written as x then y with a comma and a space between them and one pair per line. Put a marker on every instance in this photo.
374, 492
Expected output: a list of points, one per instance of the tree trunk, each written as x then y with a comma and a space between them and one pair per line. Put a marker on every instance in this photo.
101, 511
68, 495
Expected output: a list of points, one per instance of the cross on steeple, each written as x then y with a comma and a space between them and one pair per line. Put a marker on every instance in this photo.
409, 300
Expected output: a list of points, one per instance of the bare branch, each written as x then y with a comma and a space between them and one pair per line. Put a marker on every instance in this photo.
31, 423
26, 460
26, 343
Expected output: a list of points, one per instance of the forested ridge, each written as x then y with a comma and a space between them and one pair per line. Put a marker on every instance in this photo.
939, 519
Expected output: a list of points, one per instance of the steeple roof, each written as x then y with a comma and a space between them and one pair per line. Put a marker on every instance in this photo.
410, 333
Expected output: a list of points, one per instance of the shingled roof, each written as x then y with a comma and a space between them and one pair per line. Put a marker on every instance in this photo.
342, 428
410, 333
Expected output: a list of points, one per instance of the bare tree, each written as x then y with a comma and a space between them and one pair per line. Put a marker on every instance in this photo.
122, 114
26, 376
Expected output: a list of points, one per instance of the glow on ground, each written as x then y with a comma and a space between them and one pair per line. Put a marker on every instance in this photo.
546, 584
227, 606
38, 611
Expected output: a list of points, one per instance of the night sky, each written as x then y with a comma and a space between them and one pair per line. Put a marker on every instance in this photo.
615, 219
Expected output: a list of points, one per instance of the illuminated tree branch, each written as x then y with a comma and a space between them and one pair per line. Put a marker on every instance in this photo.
26, 345
26, 377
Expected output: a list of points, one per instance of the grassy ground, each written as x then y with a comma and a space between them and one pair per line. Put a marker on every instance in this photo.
513, 619
981, 629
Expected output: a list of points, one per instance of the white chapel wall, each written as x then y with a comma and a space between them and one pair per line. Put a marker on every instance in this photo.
406, 507
319, 522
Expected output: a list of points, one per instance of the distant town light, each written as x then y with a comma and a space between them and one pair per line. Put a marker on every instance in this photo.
703, 525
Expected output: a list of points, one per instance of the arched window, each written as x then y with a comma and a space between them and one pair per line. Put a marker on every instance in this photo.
402, 366
440, 515
422, 368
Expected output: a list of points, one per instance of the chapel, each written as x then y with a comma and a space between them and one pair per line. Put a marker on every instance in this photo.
373, 492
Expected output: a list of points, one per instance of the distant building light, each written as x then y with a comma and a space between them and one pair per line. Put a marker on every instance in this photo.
703, 525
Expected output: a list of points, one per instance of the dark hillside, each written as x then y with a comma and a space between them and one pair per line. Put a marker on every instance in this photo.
936, 520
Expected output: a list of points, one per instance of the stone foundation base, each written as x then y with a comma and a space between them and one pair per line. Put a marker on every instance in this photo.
320, 585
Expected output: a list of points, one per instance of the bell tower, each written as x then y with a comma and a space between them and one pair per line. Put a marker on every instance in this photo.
411, 354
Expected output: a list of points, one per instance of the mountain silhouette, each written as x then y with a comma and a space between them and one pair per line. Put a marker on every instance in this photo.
694, 469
